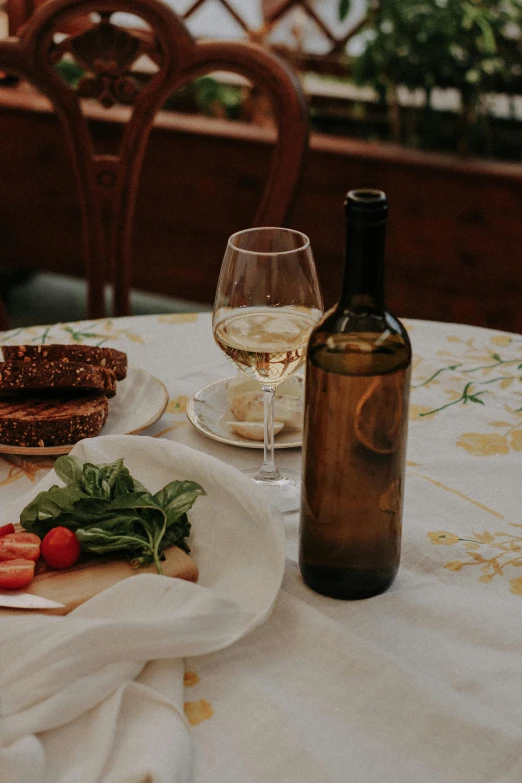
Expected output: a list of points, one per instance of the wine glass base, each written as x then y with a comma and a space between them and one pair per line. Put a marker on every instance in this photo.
283, 493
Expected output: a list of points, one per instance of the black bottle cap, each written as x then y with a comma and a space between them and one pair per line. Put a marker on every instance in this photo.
366, 205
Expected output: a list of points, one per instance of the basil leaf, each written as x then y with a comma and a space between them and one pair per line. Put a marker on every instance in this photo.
106, 481
98, 541
69, 469
47, 507
178, 497
100, 506
117, 478
110, 511
177, 532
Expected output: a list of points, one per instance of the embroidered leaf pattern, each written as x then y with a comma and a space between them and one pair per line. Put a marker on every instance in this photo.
473, 374
495, 553
97, 332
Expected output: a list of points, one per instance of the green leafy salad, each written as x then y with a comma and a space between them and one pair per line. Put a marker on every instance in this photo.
110, 511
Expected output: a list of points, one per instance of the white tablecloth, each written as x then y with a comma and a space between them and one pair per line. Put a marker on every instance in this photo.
422, 683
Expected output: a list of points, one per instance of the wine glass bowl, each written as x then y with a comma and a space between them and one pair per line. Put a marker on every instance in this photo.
267, 303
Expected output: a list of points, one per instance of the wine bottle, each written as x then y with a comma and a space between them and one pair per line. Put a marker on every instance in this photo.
358, 367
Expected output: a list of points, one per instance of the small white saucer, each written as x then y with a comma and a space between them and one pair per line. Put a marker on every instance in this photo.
209, 411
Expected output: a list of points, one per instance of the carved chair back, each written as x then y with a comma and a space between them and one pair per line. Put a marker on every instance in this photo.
108, 53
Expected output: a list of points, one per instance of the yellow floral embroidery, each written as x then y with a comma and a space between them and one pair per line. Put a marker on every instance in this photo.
417, 411
501, 340
171, 428
178, 318
483, 445
516, 441
501, 551
488, 444
452, 394
454, 565
471, 373
96, 332
13, 474
416, 360
484, 538
443, 537
32, 466
516, 585
24, 468
178, 404
190, 679
198, 711
111, 333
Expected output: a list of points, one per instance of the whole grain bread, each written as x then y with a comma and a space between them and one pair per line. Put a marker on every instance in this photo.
89, 354
19, 377
39, 421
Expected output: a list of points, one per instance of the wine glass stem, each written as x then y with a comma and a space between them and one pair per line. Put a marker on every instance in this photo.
268, 471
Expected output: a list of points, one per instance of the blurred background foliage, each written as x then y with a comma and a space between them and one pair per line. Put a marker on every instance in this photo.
408, 52
473, 46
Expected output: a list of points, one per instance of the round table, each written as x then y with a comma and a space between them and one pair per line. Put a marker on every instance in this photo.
422, 683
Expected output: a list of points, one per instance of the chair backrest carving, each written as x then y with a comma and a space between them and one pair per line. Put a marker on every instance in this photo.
107, 54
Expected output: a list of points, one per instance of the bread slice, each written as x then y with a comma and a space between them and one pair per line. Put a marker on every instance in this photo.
41, 421
89, 354
17, 377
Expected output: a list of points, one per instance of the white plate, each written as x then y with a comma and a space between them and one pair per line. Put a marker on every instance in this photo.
236, 540
139, 402
209, 411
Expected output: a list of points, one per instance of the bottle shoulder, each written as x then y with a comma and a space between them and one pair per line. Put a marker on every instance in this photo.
339, 320
363, 342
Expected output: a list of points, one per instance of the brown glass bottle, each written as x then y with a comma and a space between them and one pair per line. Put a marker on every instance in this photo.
356, 417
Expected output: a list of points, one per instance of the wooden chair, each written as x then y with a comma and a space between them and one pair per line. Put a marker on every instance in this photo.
108, 184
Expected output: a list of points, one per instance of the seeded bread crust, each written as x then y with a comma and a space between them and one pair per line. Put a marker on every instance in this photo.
88, 354
29, 377
52, 422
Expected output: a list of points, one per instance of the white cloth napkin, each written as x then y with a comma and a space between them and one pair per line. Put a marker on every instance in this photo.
97, 696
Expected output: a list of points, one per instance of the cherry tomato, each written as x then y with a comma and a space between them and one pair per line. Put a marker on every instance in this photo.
14, 546
15, 574
60, 548
6, 529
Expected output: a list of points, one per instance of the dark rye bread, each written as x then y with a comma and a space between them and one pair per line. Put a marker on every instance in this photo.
39, 421
19, 377
89, 354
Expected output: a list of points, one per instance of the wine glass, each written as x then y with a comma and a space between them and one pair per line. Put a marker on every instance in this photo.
267, 303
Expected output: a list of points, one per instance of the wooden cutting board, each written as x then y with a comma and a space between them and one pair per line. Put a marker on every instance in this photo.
73, 586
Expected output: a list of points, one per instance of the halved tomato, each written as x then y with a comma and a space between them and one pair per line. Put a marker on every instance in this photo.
20, 545
6, 529
15, 574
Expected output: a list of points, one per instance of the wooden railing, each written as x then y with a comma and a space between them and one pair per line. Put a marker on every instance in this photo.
455, 226
334, 37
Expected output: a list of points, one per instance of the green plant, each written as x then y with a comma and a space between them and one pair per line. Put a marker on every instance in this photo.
70, 71
208, 96
205, 95
471, 45
216, 99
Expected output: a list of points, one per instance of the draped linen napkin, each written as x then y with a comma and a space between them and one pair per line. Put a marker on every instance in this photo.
97, 696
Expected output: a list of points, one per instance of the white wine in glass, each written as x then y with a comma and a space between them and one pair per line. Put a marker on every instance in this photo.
267, 303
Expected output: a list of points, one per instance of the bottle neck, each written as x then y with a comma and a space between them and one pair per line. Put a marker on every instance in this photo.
363, 280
